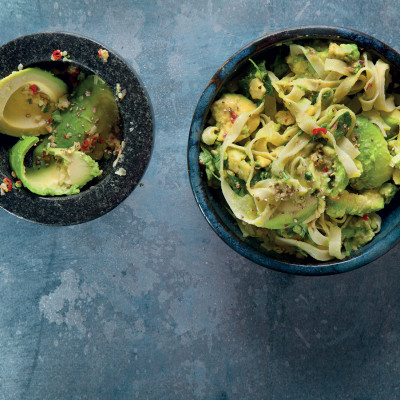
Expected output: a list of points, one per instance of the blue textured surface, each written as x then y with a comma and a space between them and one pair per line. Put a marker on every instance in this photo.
147, 302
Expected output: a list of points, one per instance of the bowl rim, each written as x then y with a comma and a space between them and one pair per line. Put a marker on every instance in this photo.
371, 251
112, 190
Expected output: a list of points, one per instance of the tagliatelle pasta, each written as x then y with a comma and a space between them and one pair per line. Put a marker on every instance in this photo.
305, 148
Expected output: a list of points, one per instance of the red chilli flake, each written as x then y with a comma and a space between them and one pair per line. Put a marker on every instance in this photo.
325, 169
50, 120
335, 198
85, 143
34, 89
317, 131
8, 182
365, 217
233, 116
57, 54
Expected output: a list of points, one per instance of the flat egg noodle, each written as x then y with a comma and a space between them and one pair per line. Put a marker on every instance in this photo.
244, 208
346, 86
308, 124
371, 91
375, 117
316, 236
312, 56
331, 115
293, 147
335, 242
348, 147
339, 66
318, 103
313, 251
314, 85
382, 103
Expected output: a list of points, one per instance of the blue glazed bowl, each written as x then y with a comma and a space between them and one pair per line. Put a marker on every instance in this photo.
211, 202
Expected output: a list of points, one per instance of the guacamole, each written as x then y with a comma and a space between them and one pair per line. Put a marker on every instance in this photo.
306, 148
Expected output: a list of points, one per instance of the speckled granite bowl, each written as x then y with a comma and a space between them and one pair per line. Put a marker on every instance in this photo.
211, 202
106, 192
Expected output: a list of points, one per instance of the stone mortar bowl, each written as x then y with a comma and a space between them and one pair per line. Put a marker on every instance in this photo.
107, 191
211, 202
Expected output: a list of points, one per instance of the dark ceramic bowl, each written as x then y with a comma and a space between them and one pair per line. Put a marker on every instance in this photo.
211, 202
107, 191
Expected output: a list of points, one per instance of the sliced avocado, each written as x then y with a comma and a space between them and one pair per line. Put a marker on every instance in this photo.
68, 171
291, 213
228, 108
92, 114
359, 231
347, 52
355, 204
339, 179
393, 120
237, 163
301, 66
21, 112
388, 190
374, 155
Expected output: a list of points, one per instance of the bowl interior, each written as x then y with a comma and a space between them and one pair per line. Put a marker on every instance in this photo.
212, 203
136, 127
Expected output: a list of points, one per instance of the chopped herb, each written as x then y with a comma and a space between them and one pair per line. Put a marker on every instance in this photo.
260, 175
256, 71
308, 176
207, 159
285, 176
343, 125
314, 98
238, 185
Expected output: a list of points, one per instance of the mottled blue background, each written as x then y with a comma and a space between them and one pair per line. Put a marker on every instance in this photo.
147, 302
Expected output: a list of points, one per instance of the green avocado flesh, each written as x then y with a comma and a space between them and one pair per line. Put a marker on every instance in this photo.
34, 102
67, 173
91, 115
355, 204
291, 213
374, 155
24, 111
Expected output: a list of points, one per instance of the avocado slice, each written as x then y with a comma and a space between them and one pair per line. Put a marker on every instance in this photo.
374, 155
92, 114
24, 113
67, 173
228, 108
393, 120
291, 213
355, 204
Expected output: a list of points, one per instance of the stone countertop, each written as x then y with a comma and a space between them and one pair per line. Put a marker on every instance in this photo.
147, 302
